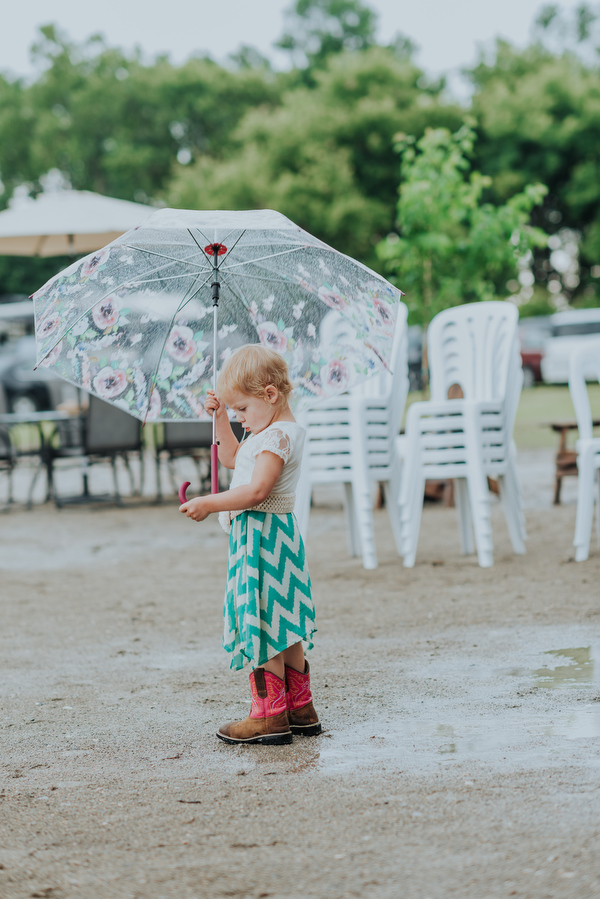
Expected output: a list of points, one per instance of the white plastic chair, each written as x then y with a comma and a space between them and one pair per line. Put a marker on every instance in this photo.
475, 347
581, 364
351, 440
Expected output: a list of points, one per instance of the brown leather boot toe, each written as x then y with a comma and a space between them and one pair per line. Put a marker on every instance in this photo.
273, 731
268, 721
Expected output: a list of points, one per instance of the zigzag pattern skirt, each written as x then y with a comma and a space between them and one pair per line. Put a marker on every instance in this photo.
268, 602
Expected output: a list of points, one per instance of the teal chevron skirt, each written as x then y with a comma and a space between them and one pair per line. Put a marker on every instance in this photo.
268, 602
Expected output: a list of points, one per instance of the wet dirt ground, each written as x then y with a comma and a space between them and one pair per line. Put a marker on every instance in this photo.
461, 711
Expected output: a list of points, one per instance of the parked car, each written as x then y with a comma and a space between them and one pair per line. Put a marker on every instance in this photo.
28, 390
415, 357
570, 330
533, 334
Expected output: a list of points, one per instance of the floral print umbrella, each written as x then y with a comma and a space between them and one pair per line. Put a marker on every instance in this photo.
134, 323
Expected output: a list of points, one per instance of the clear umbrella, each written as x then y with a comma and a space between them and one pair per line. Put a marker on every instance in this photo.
145, 322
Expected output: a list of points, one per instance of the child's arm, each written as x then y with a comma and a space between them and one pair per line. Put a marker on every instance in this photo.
266, 471
228, 442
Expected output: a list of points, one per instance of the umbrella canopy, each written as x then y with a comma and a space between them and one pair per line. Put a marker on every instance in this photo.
136, 324
66, 222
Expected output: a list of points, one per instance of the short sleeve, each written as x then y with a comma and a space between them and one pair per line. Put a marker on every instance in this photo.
274, 441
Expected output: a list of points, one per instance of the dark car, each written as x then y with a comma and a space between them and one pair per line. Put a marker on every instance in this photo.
28, 390
415, 357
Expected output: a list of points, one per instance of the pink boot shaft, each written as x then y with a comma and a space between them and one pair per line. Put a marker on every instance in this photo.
268, 721
298, 686
303, 718
274, 702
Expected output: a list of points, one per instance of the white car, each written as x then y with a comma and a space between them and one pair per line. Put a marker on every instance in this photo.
570, 331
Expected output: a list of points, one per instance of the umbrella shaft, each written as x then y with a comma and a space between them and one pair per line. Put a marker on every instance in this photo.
215, 322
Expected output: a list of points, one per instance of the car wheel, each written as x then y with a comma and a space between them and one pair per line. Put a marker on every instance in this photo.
24, 404
528, 378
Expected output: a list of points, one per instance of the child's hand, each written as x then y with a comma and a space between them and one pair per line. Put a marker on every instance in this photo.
196, 508
212, 404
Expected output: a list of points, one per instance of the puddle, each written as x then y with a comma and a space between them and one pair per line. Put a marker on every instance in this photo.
577, 670
418, 743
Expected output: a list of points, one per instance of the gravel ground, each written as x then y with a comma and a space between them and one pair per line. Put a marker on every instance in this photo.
461, 711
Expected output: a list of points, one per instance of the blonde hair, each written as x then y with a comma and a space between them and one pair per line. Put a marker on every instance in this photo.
252, 368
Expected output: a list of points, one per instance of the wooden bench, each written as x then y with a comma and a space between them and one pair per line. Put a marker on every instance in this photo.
566, 459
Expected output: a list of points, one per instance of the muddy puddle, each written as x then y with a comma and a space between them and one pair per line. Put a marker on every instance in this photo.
543, 721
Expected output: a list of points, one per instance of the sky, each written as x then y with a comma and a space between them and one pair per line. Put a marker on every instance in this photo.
448, 32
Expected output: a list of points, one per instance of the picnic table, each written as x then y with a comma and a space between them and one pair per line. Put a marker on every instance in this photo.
566, 459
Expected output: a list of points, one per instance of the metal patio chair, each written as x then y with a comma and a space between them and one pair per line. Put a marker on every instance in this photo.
104, 434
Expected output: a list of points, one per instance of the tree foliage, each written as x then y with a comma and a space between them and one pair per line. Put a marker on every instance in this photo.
325, 156
317, 141
538, 114
451, 246
317, 29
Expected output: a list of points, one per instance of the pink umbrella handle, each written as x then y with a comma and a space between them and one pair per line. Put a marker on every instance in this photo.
182, 491
214, 468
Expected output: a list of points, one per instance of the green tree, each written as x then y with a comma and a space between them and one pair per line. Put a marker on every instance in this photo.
113, 124
452, 247
538, 113
316, 29
324, 157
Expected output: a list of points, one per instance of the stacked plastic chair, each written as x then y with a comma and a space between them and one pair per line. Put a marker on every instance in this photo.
475, 348
352, 440
581, 364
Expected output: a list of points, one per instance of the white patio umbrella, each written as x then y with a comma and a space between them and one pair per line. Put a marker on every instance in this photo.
60, 223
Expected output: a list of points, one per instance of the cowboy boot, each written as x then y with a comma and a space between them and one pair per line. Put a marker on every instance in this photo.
301, 711
267, 722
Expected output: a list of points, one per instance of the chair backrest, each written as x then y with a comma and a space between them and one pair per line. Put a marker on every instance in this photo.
581, 364
184, 435
383, 411
109, 429
331, 426
472, 346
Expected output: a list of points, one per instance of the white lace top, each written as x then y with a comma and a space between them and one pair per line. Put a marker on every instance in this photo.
285, 439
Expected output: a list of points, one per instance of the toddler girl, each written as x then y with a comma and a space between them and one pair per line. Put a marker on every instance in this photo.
268, 608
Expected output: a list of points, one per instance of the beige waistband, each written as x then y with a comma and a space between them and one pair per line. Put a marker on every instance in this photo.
280, 503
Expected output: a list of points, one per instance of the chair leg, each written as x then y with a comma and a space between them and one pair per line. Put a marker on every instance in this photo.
142, 471
391, 493
352, 532
465, 524
585, 506
480, 514
36, 474
158, 478
411, 512
363, 505
113, 463
125, 458
9, 496
512, 513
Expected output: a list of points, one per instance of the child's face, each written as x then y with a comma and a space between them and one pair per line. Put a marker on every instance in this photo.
253, 412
